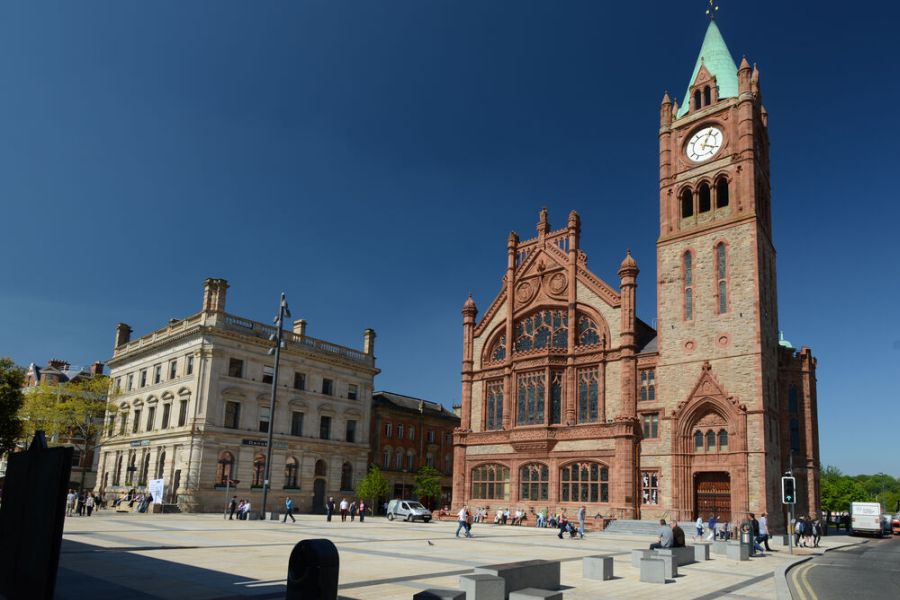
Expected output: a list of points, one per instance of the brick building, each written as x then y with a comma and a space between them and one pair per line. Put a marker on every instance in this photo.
569, 398
409, 433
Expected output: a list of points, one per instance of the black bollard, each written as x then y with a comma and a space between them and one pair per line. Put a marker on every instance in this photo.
313, 571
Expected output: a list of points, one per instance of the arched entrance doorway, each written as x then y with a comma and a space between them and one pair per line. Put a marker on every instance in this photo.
712, 495
321, 471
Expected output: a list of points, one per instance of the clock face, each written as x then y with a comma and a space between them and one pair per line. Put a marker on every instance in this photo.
704, 144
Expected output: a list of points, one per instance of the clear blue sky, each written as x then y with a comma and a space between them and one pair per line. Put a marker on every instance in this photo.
369, 159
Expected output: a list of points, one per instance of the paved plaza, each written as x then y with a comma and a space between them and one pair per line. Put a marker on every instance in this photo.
135, 556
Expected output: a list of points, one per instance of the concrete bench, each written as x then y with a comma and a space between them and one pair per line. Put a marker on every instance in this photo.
737, 551
720, 547
536, 593
682, 556
701, 552
437, 594
597, 567
483, 587
653, 570
540, 574
638, 555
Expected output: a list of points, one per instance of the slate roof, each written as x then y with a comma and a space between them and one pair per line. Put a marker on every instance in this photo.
412, 404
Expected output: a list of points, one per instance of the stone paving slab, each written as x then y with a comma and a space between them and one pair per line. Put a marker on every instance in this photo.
203, 557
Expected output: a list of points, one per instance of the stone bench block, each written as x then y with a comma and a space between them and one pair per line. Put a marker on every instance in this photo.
701, 552
682, 556
597, 567
438, 594
737, 551
536, 593
483, 587
638, 555
540, 574
720, 547
653, 570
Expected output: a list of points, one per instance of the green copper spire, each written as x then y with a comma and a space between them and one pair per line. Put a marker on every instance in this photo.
715, 55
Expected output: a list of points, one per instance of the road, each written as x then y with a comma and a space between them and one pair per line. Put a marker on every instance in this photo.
868, 570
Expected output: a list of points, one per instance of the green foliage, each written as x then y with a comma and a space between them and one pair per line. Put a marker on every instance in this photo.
11, 380
428, 483
65, 411
839, 490
373, 486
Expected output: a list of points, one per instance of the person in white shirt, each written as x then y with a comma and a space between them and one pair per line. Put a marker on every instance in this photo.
461, 519
699, 525
345, 506
70, 503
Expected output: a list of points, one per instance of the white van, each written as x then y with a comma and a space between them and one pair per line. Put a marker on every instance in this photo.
865, 519
408, 510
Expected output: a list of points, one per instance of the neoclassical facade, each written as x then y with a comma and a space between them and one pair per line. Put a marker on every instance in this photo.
568, 398
193, 408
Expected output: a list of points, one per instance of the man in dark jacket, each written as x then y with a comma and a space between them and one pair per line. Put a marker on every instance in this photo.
677, 535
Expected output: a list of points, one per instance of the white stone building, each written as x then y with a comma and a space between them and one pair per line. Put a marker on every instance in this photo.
193, 409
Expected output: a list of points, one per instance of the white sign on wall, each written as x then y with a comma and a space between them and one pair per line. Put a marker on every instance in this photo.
156, 489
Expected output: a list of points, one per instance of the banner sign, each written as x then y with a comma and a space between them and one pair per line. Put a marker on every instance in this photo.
156, 489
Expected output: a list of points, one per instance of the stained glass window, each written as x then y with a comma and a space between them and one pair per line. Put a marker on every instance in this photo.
588, 394
494, 409
584, 482
556, 397
498, 352
531, 395
547, 328
534, 482
587, 331
490, 482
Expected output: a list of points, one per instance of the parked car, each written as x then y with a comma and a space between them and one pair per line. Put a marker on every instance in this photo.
895, 524
408, 510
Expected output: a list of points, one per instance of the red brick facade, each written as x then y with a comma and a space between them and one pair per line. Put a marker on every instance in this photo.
569, 398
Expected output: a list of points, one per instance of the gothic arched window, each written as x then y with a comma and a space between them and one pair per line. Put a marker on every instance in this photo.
321, 468
697, 100
531, 396
556, 379
498, 352
534, 480
161, 464
723, 440
698, 441
493, 418
707, 96
588, 394
546, 328
721, 193
705, 198
687, 204
710, 441
688, 270
584, 482
588, 334
721, 277
490, 482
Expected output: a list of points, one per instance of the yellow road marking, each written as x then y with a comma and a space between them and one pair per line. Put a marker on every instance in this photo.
801, 581
795, 575
812, 593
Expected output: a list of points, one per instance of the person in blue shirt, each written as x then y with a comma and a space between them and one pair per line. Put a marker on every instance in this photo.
289, 509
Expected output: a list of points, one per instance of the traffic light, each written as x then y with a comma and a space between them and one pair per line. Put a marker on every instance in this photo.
788, 490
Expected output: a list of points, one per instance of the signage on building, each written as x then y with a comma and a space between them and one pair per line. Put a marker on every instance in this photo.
139, 443
263, 444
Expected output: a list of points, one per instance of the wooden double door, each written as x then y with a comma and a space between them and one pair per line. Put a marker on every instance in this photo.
712, 495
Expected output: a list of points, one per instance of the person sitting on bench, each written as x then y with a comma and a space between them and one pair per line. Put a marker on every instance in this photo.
666, 538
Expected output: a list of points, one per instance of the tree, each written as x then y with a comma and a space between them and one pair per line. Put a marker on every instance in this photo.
428, 484
70, 413
11, 381
839, 490
372, 487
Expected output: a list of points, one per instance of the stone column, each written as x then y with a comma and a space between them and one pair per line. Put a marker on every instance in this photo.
574, 232
512, 245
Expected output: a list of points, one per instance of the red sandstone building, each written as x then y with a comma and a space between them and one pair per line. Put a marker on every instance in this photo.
407, 434
569, 398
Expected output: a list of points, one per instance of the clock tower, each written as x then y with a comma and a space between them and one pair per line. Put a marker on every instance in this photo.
717, 326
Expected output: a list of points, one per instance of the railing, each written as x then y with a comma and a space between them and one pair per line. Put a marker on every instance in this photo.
173, 328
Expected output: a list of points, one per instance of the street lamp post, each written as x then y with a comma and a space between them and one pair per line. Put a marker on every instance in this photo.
283, 312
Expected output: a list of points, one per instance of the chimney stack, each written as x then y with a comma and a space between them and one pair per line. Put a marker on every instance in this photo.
300, 327
369, 342
97, 368
214, 292
123, 334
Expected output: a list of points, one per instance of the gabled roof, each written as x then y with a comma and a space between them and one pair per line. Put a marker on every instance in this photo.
411, 404
714, 55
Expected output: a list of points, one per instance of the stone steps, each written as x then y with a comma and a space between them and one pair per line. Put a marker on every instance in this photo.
633, 527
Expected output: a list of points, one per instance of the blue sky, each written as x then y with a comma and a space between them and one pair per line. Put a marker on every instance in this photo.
370, 158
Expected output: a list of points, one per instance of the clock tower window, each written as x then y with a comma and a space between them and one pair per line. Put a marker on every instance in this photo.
722, 193
707, 96
687, 203
705, 198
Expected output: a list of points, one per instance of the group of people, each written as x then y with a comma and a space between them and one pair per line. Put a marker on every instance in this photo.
347, 508
757, 528
82, 504
807, 532
241, 508
668, 536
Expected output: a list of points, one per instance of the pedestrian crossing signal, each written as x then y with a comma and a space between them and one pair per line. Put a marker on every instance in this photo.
788, 490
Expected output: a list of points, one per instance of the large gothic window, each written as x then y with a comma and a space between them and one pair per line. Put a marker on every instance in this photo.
534, 481
493, 418
721, 193
556, 397
588, 394
546, 328
705, 198
688, 276
687, 204
588, 332
490, 482
721, 277
530, 398
498, 352
584, 482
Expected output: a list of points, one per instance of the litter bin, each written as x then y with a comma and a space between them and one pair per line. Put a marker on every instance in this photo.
313, 571
747, 538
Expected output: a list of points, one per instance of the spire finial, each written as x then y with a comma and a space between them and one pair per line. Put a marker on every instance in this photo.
711, 11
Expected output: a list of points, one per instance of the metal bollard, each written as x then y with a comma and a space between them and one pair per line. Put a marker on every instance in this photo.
313, 571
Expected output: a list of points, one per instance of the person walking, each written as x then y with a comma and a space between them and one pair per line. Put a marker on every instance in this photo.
362, 511
352, 511
699, 525
461, 521
89, 504
754, 534
816, 532
232, 506
345, 506
469, 520
581, 515
713, 521
70, 503
764, 531
289, 509
329, 508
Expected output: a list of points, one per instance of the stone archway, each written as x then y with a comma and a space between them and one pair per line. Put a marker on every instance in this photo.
709, 448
